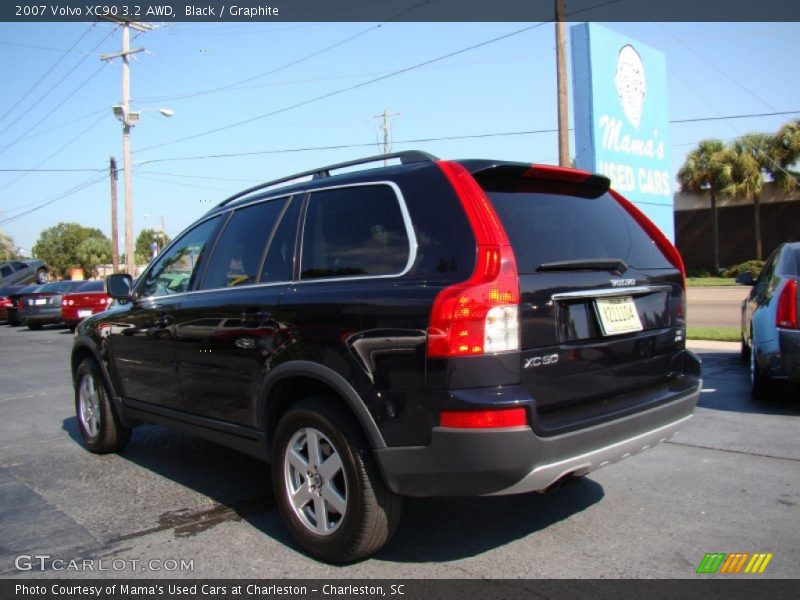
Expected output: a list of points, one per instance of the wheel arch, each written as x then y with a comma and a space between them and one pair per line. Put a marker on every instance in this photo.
291, 382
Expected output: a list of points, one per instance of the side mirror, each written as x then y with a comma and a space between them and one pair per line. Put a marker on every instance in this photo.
745, 278
119, 286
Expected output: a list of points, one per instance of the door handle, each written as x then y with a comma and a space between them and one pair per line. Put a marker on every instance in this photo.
165, 320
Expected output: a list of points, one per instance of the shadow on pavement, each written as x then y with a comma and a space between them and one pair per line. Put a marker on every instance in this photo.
431, 529
447, 529
725, 373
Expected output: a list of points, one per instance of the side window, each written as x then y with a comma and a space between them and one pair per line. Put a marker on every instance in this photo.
352, 232
279, 265
19, 266
174, 271
237, 256
765, 276
5, 271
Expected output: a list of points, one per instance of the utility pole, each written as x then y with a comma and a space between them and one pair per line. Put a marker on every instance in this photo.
561, 78
114, 225
386, 126
129, 119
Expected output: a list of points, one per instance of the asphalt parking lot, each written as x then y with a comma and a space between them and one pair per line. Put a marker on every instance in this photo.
728, 482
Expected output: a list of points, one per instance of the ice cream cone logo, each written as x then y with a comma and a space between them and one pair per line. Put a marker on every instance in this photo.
631, 84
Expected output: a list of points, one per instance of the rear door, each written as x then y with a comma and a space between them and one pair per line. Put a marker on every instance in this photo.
225, 331
601, 315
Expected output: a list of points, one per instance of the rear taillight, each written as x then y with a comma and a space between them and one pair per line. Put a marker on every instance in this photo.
483, 419
479, 315
667, 248
787, 306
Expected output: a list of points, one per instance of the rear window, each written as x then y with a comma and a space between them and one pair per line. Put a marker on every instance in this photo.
546, 228
92, 286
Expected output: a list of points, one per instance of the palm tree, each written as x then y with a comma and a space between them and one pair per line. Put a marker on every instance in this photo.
708, 168
752, 156
787, 152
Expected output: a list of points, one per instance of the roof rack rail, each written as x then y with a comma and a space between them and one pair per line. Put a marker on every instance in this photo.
406, 157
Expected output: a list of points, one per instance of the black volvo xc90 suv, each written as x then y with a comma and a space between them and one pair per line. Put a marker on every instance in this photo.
427, 328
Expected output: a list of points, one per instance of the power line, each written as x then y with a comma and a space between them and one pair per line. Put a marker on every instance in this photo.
56, 152
50, 70
285, 66
59, 126
74, 190
729, 117
70, 95
344, 90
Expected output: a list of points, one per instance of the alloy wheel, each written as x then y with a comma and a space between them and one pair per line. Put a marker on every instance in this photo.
315, 481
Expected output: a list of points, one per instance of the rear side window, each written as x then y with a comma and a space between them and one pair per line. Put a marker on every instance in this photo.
545, 228
5, 271
238, 254
354, 232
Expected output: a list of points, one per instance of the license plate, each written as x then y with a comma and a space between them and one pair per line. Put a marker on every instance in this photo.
82, 314
618, 315
40, 301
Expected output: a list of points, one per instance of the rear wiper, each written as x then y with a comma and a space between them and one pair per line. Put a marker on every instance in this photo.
588, 264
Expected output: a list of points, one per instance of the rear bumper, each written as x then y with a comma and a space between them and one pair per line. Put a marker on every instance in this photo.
512, 461
789, 340
41, 316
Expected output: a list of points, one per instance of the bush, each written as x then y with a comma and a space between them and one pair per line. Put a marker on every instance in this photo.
754, 266
697, 272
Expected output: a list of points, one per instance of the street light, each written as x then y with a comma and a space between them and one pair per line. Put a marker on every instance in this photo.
129, 119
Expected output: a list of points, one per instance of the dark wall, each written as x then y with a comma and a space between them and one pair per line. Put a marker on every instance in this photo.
780, 222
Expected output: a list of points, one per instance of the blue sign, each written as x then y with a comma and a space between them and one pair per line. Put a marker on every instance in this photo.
621, 118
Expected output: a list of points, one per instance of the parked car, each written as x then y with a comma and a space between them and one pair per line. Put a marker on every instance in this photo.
15, 303
42, 306
431, 328
770, 332
23, 271
84, 301
5, 300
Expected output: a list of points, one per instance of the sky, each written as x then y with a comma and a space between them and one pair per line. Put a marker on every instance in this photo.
276, 95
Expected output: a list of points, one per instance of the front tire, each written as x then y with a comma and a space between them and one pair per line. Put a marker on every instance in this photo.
34, 326
42, 276
328, 488
99, 425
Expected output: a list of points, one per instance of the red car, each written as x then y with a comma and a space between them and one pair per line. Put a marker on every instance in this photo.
86, 300
5, 300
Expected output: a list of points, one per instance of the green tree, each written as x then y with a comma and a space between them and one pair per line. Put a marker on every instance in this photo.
708, 169
144, 241
7, 251
59, 246
752, 156
93, 251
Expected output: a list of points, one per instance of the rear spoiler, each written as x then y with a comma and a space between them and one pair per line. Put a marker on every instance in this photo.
523, 177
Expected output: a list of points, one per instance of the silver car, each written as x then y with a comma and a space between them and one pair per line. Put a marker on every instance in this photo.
21, 272
770, 328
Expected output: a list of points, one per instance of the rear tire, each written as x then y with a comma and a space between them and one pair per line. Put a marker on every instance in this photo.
99, 425
328, 488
